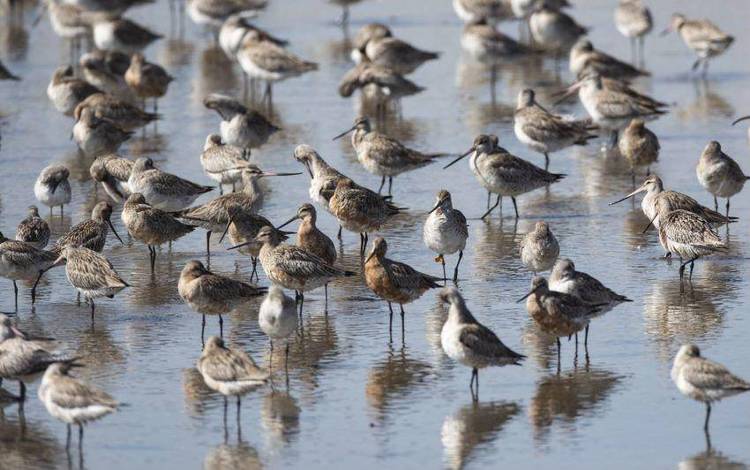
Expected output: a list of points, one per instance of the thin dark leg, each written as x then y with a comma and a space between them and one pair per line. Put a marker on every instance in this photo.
93, 308
226, 430
586, 336
326, 306
690, 276
515, 206
716, 203
390, 184
682, 275
203, 329
708, 416
80, 437
33, 289
340, 229
15, 291
286, 358
442, 261
402, 323
546, 161
489, 199
497, 203
382, 183
221, 327
558, 355
22, 392
208, 243
239, 404
727, 207
255, 269
67, 439
455, 271
301, 303
390, 320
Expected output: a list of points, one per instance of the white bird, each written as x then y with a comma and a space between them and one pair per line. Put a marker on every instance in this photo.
445, 231
277, 318
52, 187
163, 190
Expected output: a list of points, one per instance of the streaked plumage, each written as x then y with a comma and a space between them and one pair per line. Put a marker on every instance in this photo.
104, 70
502, 173
445, 231
33, 230
92, 233
72, 401
264, 60
323, 177
243, 229
113, 172
470, 343
240, 126
554, 30
719, 174
148, 80
151, 226
234, 30
52, 187
66, 91
383, 155
122, 35
223, 162
97, 136
704, 380
545, 132
163, 190
393, 281
702, 37
584, 58
125, 115
21, 261
381, 48
229, 371
539, 248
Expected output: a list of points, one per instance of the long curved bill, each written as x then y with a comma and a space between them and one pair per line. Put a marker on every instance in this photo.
273, 173
288, 222
525, 296
743, 118
226, 229
109, 222
639, 190
569, 91
241, 245
463, 155
650, 223
344, 133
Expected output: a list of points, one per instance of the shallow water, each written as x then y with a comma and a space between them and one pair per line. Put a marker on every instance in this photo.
354, 398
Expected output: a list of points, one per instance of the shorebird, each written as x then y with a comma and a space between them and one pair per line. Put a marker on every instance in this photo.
702, 37
557, 313
223, 162
23, 358
66, 91
91, 274
243, 227
719, 174
68, 21
240, 126
163, 190
584, 58
148, 80
382, 155
212, 294
212, 13
344, 4
235, 28
545, 132
151, 226
72, 401
704, 380
92, 233
502, 173
310, 238
277, 318
553, 30
33, 230
98, 72
323, 177
264, 60
488, 45
379, 84
214, 215
113, 172
493, 10
229, 371
393, 281
613, 108
122, 35
633, 20
689, 235
96, 136
21, 261
52, 187
359, 209
293, 267
470, 343
539, 248
445, 231
639, 146
125, 115
564, 278
376, 42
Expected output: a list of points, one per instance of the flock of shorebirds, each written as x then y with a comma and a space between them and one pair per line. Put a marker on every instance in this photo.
106, 92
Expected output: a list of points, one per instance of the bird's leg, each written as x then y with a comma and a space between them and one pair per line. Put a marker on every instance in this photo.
497, 203
402, 323
455, 270
558, 355
489, 199
208, 244
382, 183
682, 274
255, 269
67, 439
33, 289
515, 206
696, 64
690, 276
239, 403
390, 320
93, 308
286, 359
80, 437
22, 391
221, 327
441, 259
226, 431
390, 184
15, 291
326, 304
340, 229
613, 139
716, 203
586, 337
301, 303
708, 416
727, 210
203, 330
546, 161
471, 383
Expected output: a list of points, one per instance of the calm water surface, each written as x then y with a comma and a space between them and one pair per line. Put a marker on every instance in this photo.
354, 399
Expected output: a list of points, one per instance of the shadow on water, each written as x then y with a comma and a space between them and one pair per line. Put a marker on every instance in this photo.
279, 416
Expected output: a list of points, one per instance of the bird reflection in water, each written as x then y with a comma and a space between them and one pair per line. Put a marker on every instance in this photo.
314, 349
239, 456
279, 416
197, 393
710, 459
568, 397
473, 427
495, 247
392, 379
27, 444
707, 106
215, 74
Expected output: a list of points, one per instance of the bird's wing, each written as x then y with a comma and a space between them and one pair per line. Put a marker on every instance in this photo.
71, 393
706, 374
485, 342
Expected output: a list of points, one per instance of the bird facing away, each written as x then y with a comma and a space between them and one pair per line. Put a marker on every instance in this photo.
393, 281
502, 173
151, 226
539, 248
113, 172
488, 45
212, 294
704, 380
73, 401
97, 136
470, 343
377, 44
148, 80
545, 132
122, 113
223, 162
379, 85
163, 190
633, 20
66, 91
382, 155
229, 371
639, 146
702, 37
122, 35
554, 31
719, 174
445, 231
52, 187
240, 126
33, 229
584, 59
